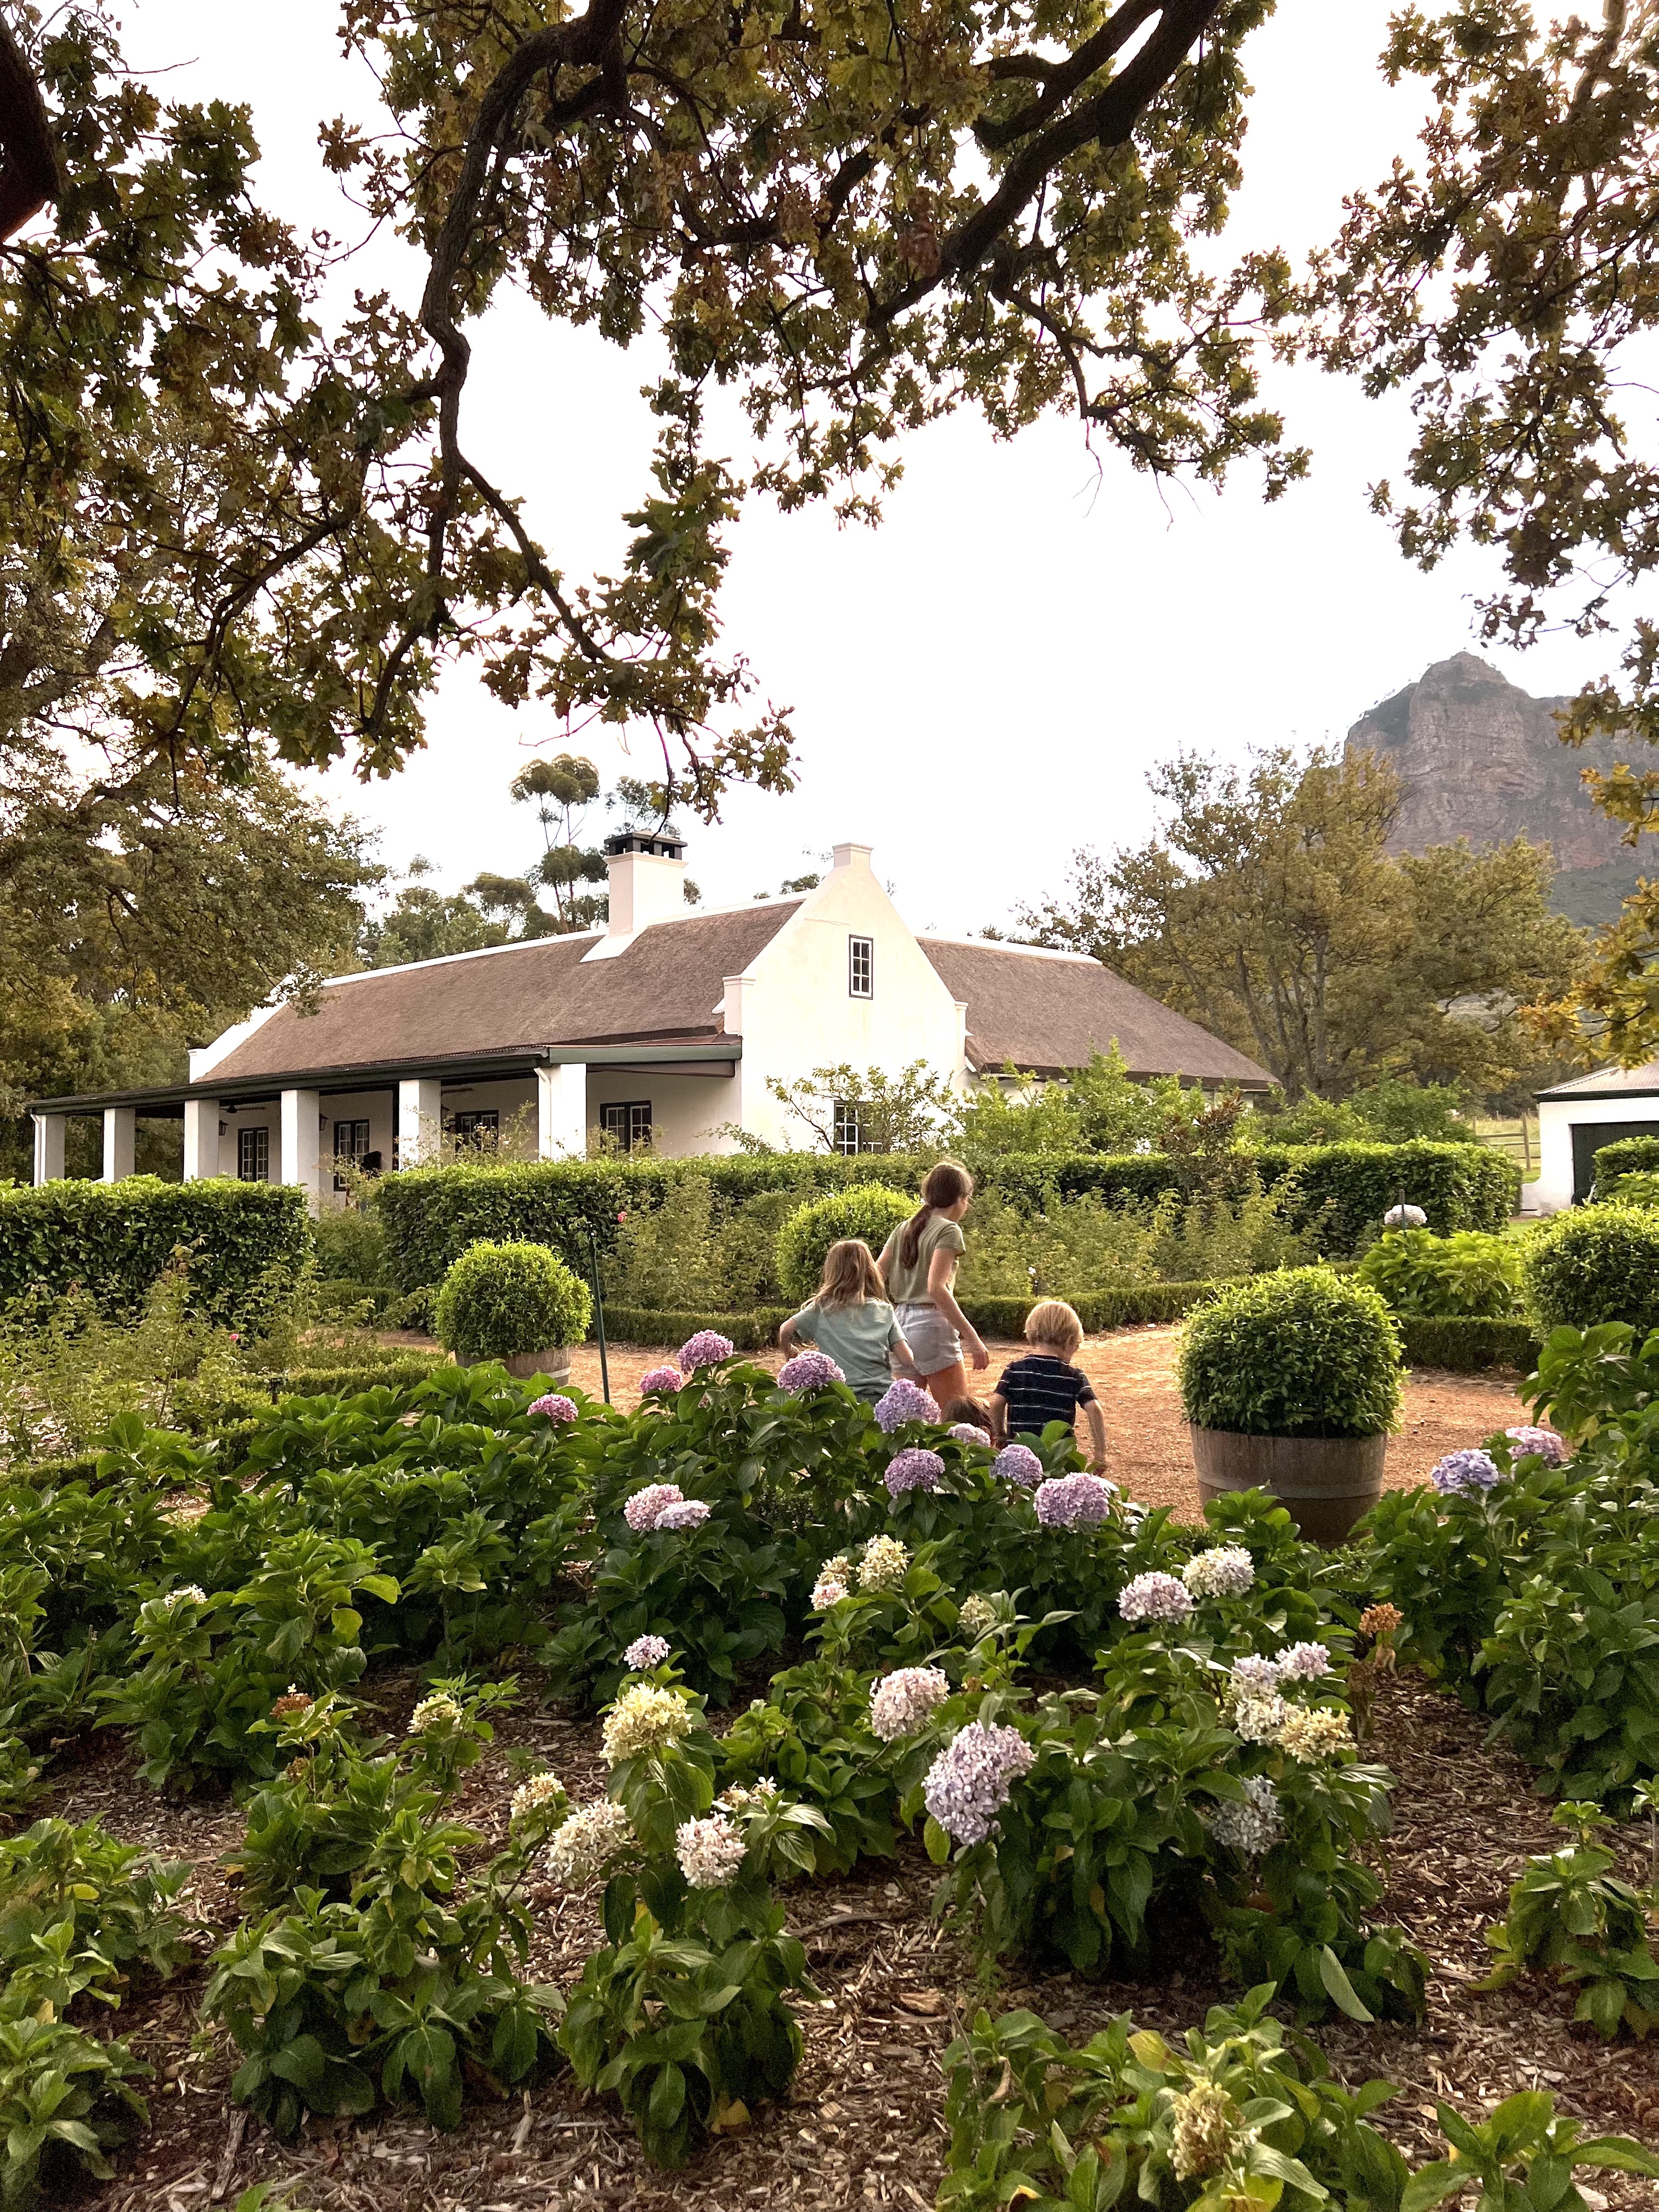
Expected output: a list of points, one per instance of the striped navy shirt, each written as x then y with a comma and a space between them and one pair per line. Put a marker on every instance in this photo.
1042, 1388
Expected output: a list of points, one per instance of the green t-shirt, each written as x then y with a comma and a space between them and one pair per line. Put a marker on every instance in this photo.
857, 1338
908, 1285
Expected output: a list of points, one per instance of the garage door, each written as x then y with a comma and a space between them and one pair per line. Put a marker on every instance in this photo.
1587, 1139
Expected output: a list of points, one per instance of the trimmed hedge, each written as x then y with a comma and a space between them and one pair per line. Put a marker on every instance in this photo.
870, 1212
1624, 1156
501, 1301
1467, 1346
432, 1214
1597, 1263
248, 1243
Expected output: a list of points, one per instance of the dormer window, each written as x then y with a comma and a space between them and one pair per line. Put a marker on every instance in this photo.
861, 967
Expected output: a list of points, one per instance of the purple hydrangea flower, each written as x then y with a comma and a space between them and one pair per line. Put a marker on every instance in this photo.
905, 1402
688, 1513
645, 1508
1073, 1501
706, 1349
967, 1432
1155, 1597
1303, 1663
1254, 1677
915, 1469
1019, 1463
646, 1651
809, 1371
1544, 1443
555, 1406
968, 1783
1461, 1473
660, 1378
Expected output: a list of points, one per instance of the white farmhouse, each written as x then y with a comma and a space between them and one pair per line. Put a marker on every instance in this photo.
667, 1022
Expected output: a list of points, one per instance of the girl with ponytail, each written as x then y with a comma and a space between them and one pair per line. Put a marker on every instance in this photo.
918, 1264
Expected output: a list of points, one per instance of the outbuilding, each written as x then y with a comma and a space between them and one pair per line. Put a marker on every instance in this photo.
1576, 1119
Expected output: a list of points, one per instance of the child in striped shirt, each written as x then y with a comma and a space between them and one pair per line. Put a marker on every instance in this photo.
1044, 1386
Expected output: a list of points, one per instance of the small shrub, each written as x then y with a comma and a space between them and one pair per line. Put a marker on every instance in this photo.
1598, 1263
1639, 1187
1625, 1156
871, 1211
1571, 1915
500, 1299
1303, 1353
1467, 1274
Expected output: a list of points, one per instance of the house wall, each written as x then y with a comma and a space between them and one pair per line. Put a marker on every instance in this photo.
795, 1011
686, 1110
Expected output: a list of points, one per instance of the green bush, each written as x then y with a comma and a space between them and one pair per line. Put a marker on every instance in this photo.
1303, 1353
1597, 1263
1346, 1189
1466, 1347
1467, 1274
872, 1212
350, 1243
1639, 1187
1624, 1156
247, 1244
500, 1299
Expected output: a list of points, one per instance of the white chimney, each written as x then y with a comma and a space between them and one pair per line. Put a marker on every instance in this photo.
853, 856
647, 869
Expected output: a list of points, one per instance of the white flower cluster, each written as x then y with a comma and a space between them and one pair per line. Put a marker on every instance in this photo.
1249, 1828
710, 1852
1303, 1663
644, 1718
1155, 1597
440, 1711
835, 1578
187, 1593
643, 1509
901, 1703
885, 1565
1206, 2124
744, 1798
977, 1617
684, 1513
530, 1796
1258, 1719
645, 1651
589, 1838
1310, 1733
1225, 1570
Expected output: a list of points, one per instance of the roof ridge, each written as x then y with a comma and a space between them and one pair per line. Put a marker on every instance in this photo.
1006, 944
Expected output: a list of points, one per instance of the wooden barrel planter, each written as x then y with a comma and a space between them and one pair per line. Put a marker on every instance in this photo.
1324, 1483
554, 1362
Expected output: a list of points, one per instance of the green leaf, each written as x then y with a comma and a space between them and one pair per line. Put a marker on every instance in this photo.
1339, 1987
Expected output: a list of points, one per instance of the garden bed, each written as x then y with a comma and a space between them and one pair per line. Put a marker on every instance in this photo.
864, 2124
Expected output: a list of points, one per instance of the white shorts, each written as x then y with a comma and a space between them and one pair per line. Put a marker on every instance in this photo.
934, 1343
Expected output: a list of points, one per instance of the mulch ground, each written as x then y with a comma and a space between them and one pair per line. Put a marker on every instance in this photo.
864, 2125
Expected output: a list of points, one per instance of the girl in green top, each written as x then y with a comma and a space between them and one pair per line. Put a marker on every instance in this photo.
851, 1321
918, 1265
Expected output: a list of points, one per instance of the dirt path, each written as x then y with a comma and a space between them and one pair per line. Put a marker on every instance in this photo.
1133, 1371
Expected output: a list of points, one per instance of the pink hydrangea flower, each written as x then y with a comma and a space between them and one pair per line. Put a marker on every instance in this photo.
555, 1406
688, 1513
809, 1371
905, 1402
660, 1378
915, 1469
966, 1432
1019, 1463
968, 1785
646, 1651
1075, 1501
1544, 1444
1155, 1597
706, 1349
645, 1508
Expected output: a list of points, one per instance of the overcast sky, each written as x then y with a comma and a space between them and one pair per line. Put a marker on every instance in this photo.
980, 685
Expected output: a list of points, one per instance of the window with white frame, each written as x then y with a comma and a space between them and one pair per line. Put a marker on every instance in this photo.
350, 1144
628, 1121
849, 1126
254, 1155
481, 1128
861, 967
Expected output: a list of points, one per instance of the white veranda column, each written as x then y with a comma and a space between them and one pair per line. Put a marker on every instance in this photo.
201, 1138
419, 1120
562, 1113
301, 1151
120, 1142
49, 1147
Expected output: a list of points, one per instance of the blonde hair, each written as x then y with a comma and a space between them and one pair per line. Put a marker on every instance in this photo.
850, 1275
945, 1183
1054, 1323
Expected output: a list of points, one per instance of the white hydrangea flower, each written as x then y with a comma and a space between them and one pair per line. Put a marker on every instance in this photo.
900, 1703
644, 1718
1257, 1720
710, 1852
977, 1617
1252, 1827
745, 1797
1225, 1570
885, 1565
530, 1796
1303, 1663
438, 1712
189, 1593
1310, 1733
593, 1835
1207, 2130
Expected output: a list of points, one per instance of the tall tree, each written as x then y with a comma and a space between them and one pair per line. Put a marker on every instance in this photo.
1269, 910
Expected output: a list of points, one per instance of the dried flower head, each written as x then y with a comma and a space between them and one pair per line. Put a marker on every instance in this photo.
1075, 1501
809, 1371
530, 1796
710, 1852
706, 1349
905, 1402
1019, 1463
1206, 2123
1310, 1733
1381, 1619
435, 1713
642, 1508
646, 1651
644, 1718
593, 1836
914, 1468
977, 1618
1155, 1597
664, 1379
901, 1703
1462, 1473
968, 1785
1225, 1570
885, 1565
292, 1704
555, 1406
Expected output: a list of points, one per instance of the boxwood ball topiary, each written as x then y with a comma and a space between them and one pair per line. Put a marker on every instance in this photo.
500, 1299
1597, 1263
870, 1211
1303, 1352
